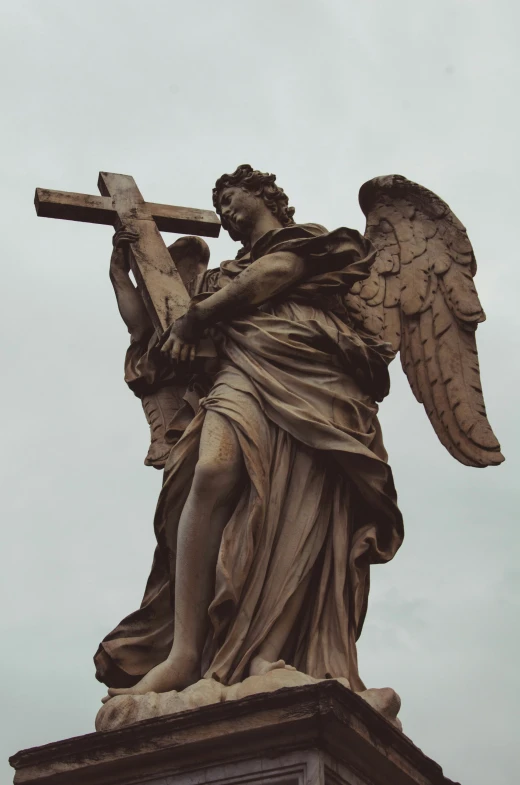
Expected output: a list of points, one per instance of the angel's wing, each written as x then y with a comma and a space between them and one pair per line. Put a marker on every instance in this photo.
420, 297
190, 256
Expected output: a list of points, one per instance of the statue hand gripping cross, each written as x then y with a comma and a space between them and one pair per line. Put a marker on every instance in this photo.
121, 204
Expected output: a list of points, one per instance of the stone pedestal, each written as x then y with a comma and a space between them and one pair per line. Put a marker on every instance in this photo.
312, 735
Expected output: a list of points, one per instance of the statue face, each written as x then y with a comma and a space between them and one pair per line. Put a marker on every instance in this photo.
240, 209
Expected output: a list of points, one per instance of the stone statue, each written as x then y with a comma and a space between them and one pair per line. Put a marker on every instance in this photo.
277, 494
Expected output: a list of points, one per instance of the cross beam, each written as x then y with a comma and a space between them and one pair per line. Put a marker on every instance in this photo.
121, 204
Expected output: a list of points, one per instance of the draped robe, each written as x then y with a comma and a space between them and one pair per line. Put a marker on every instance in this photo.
299, 386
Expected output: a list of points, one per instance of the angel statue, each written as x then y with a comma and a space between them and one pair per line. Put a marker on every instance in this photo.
277, 494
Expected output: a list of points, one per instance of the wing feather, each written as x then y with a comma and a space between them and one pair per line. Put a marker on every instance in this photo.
392, 327
415, 281
421, 298
461, 294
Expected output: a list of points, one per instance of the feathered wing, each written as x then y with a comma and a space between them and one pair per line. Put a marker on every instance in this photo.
190, 256
420, 297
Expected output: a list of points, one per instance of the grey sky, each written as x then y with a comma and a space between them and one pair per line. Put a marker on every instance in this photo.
327, 94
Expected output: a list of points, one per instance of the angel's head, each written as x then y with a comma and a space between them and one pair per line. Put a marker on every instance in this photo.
241, 198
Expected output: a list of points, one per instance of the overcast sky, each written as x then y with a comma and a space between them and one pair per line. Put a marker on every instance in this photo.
326, 94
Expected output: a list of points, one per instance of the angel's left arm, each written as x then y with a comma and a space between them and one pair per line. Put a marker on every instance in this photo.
263, 279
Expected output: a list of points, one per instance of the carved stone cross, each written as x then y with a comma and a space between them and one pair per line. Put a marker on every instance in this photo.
122, 204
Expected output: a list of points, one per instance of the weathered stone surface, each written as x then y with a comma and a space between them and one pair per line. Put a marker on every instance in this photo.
311, 735
124, 710
277, 495
122, 204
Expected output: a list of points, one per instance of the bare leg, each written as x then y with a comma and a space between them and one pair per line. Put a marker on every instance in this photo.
206, 512
269, 652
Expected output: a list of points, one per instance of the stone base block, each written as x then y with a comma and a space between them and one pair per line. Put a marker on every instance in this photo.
318, 734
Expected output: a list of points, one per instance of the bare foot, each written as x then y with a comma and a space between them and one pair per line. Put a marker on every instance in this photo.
175, 673
259, 666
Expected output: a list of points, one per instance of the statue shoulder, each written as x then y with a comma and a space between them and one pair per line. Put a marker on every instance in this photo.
315, 229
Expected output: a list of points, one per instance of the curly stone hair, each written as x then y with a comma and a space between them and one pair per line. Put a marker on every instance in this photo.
260, 184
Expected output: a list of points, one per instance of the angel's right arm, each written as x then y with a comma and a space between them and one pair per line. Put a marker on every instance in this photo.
129, 301
263, 279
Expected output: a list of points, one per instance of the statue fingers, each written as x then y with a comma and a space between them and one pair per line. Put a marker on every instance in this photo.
129, 236
116, 239
168, 344
126, 239
176, 349
124, 236
185, 352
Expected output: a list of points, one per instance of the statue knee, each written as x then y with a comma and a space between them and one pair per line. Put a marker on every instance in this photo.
215, 478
